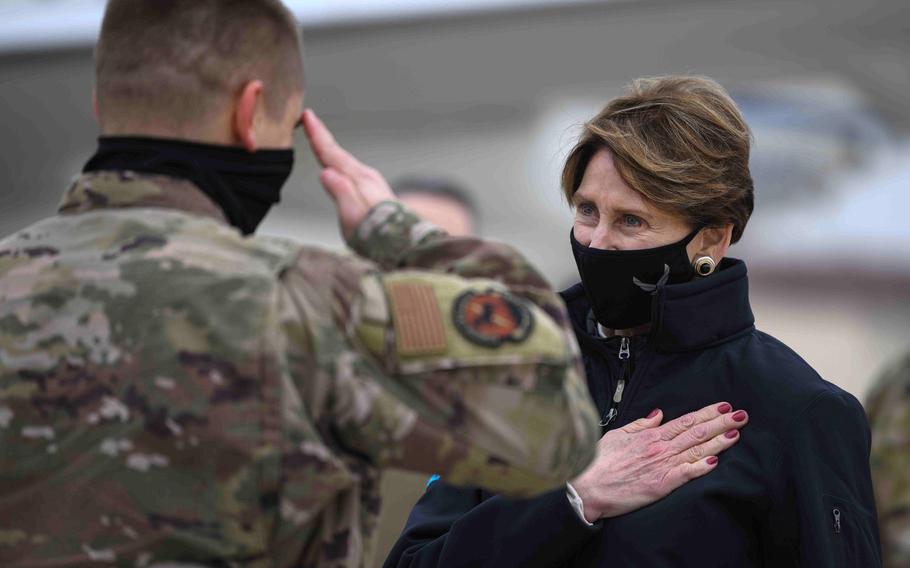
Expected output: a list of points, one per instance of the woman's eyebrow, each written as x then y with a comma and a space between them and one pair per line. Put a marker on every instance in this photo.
583, 194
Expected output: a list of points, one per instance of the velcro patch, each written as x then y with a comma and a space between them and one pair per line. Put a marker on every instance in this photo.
419, 328
492, 318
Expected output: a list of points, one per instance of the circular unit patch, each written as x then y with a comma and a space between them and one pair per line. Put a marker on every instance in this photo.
492, 318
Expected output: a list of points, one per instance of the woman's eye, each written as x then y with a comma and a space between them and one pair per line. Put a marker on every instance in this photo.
586, 209
631, 221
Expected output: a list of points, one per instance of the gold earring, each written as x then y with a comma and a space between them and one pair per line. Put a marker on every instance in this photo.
704, 265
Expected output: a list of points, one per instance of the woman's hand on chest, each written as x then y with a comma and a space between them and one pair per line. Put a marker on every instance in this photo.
644, 461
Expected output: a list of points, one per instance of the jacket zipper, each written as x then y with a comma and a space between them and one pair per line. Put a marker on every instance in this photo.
836, 520
625, 358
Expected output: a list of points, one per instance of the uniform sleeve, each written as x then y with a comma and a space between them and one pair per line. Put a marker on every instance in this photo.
466, 367
889, 415
452, 526
394, 238
826, 479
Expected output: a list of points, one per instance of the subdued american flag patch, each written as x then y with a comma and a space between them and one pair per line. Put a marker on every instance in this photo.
419, 328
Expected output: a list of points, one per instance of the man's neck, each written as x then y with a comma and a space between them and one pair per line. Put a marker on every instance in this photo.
216, 134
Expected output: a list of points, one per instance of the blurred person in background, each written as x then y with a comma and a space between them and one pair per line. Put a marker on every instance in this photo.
889, 414
176, 390
660, 185
441, 202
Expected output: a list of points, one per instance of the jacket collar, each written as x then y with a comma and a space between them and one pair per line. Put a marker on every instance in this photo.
689, 316
117, 190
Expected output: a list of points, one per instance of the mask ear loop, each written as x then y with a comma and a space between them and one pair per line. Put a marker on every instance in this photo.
656, 288
653, 288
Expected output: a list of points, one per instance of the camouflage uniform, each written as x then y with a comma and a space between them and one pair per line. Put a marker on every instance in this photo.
172, 391
889, 416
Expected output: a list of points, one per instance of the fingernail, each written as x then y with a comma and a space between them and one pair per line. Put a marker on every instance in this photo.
724, 408
731, 434
654, 413
711, 460
739, 415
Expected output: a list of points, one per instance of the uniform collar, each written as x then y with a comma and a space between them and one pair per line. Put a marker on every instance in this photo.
689, 316
123, 189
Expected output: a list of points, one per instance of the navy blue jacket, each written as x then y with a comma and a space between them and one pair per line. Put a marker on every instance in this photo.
795, 490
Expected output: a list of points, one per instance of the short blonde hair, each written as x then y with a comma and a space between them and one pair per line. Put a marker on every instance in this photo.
681, 142
176, 62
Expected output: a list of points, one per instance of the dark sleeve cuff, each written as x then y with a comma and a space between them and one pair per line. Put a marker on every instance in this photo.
545, 531
453, 526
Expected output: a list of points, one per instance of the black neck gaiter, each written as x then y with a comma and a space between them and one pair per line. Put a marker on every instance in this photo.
621, 284
244, 184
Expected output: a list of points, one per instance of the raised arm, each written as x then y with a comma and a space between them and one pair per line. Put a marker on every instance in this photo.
359, 190
448, 371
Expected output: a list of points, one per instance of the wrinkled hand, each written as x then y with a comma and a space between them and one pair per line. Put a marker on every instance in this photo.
644, 461
354, 187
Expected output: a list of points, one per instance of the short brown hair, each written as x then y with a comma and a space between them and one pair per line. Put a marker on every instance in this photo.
176, 61
681, 142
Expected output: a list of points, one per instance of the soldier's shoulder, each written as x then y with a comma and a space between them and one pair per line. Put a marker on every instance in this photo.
203, 244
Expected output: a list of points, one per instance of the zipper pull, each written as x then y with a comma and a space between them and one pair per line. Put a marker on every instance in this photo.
620, 386
611, 414
609, 417
836, 520
624, 352
625, 355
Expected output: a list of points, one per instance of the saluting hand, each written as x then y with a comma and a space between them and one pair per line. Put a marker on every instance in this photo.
354, 187
643, 462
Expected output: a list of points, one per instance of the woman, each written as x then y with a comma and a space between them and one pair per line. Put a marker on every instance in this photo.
660, 185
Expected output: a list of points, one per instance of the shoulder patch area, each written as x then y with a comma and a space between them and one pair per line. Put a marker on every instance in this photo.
492, 317
417, 322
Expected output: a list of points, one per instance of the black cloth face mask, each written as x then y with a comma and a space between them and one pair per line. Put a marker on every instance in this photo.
244, 184
620, 284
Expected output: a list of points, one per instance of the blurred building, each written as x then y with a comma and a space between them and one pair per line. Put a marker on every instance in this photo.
492, 92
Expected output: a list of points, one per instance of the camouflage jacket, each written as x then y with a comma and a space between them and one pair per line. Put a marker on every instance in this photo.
889, 414
171, 391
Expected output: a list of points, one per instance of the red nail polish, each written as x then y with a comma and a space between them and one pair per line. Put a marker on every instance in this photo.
712, 460
724, 408
731, 434
739, 415
654, 413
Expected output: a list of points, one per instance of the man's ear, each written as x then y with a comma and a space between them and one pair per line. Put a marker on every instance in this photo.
714, 242
245, 106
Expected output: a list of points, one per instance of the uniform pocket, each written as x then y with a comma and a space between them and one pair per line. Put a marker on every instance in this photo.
849, 525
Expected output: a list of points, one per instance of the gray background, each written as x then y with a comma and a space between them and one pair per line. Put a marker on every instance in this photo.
494, 100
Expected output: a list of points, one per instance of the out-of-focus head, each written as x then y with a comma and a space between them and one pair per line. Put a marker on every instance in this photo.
669, 156
217, 71
441, 202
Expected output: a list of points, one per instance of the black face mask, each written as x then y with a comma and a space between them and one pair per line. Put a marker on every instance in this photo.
620, 284
244, 184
